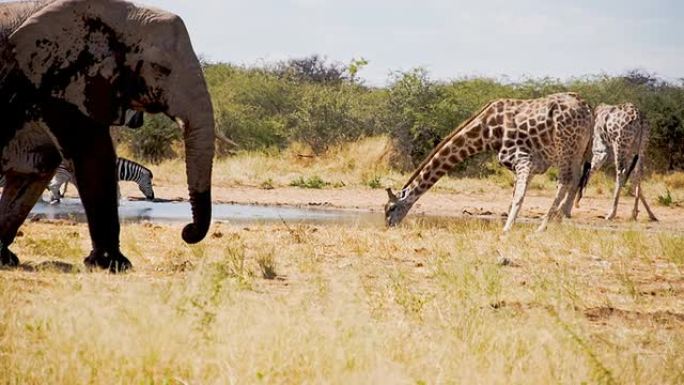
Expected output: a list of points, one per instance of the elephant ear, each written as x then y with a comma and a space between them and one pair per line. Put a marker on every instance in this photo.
69, 50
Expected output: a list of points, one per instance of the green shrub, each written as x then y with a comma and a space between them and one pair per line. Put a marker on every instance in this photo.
153, 142
314, 182
666, 199
323, 103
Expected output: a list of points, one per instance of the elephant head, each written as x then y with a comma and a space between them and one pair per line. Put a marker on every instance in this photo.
103, 57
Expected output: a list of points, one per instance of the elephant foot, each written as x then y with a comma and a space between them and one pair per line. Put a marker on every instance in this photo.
114, 262
8, 258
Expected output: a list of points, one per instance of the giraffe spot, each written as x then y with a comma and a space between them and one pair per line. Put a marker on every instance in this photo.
498, 132
478, 143
496, 145
434, 179
519, 142
523, 126
486, 133
440, 172
509, 143
453, 158
459, 141
436, 163
533, 131
499, 119
533, 122
473, 134
463, 154
445, 152
424, 186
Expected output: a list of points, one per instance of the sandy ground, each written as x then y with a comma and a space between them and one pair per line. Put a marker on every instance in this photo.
492, 203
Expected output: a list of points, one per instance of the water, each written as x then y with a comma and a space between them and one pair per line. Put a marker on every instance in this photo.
170, 212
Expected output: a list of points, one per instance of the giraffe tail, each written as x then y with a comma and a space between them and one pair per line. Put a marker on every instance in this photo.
586, 172
632, 165
584, 180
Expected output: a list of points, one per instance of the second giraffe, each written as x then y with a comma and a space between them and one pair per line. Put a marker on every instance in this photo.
620, 132
529, 136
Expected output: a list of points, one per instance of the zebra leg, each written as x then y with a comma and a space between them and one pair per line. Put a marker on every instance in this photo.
54, 186
94, 168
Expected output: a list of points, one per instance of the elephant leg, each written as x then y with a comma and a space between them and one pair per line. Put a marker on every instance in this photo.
95, 172
18, 198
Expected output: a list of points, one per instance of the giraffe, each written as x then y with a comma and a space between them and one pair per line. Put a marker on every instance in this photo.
529, 135
621, 132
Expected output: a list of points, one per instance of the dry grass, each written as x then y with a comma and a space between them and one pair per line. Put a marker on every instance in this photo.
365, 164
348, 164
420, 304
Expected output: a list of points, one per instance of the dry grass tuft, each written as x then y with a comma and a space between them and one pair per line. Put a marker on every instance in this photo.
428, 302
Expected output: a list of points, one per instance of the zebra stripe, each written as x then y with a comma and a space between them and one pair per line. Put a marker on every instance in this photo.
126, 170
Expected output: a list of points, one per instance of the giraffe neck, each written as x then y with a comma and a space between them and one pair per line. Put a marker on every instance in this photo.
475, 137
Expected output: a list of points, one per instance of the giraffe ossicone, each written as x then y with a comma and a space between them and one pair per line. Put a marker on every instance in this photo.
529, 135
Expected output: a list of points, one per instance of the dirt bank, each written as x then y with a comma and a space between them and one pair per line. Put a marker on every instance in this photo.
493, 202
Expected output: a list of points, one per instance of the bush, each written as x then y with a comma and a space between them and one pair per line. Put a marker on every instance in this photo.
153, 142
314, 182
321, 103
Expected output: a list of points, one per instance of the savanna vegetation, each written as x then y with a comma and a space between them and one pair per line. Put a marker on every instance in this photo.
426, 303
321, 103
430, 302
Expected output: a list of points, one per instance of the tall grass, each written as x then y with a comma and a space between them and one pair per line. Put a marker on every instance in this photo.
420, 304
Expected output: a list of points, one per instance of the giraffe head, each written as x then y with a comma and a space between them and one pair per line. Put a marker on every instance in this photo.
395, 209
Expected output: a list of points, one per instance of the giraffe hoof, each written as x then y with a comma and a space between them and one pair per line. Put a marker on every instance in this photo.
114, 262
8, 258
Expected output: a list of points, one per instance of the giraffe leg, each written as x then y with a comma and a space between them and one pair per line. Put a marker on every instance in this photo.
566, 205
522, 181
651, 216
561, 193
619, 181
616, 196
639, 195
565, 193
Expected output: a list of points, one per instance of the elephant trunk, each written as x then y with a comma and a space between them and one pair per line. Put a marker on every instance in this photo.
193, 111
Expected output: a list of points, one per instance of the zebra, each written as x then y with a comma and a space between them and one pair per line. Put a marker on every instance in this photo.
126, 170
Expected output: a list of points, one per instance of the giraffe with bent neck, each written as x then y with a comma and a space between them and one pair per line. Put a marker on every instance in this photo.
530, 135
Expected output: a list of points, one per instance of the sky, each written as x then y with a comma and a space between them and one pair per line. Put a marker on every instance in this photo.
451, 39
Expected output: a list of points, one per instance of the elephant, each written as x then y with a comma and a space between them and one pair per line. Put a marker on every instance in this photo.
69, 69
